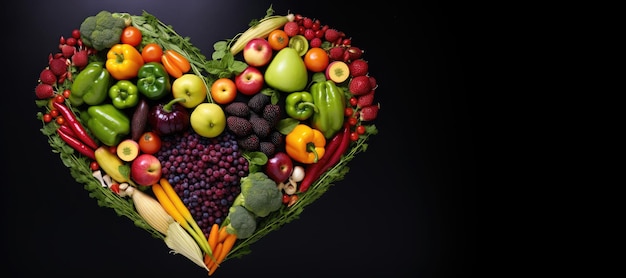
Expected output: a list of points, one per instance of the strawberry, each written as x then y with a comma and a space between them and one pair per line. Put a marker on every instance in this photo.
67, 50
80, 59
360, 85
373, 83
365, 100
291, 28
354, 52
336, 53
332, 35
358, 67
369, 113
58, 66
44, 91
47, 77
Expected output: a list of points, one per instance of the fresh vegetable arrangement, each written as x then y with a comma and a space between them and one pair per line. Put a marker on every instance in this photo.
208, 155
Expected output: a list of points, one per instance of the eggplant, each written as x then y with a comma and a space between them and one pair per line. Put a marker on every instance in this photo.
139, 120
169, 118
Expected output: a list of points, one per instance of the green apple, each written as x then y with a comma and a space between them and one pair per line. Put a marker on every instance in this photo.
208, 119
287, 72
190, 87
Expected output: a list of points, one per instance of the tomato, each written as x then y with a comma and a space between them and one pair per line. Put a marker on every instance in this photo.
131, 35
316, 59
278, 39
152, 52
149, 142
94, 165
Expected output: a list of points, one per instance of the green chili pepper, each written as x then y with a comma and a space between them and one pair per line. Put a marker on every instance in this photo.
153, 80
300, 106
91, 85
124, 94
330, 102
107, 123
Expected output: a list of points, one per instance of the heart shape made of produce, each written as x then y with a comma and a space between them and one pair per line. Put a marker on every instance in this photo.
209, 155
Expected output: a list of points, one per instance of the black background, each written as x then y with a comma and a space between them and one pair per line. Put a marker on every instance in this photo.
407, 207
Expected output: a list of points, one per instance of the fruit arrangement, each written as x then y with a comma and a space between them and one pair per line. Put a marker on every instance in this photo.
208, 155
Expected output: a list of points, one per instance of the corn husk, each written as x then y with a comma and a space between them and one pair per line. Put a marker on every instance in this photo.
182, 243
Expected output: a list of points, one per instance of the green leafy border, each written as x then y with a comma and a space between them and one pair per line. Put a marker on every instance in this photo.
223, 64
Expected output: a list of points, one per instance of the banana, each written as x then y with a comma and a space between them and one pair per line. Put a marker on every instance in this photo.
110, 164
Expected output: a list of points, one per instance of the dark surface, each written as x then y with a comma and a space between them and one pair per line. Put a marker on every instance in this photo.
407, 207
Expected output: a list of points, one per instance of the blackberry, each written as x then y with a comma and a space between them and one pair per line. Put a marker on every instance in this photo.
267, 148
239, 126
239, 109
250, 142
276, 138
258, 102
260, 127
271, 113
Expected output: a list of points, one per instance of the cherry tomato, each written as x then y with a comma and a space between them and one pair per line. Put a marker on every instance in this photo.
360, 129
316, 59
54, 113
149, 142
354, 136
278, 39
94, 166
131, 35
59, 98
60, 120
66, 93
47, 118
152, 52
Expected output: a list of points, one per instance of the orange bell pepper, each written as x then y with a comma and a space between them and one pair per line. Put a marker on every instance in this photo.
175, 63
123, 61
305, 144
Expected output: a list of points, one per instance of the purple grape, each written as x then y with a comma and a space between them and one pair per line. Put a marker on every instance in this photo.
205, 173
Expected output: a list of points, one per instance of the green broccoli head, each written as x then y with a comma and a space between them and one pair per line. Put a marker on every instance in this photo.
242, 222
259, 194
102, 30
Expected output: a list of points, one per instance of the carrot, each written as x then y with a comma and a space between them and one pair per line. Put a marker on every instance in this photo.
213, 236
227, 245
222, 234
211, 263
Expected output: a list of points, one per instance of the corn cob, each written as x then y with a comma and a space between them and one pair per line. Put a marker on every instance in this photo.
260, 30
150, 210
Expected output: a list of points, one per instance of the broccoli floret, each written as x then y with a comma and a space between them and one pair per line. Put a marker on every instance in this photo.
241, 222
102, 30
259, 194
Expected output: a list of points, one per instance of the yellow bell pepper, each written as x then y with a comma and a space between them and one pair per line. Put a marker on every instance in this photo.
123, 61
305, 144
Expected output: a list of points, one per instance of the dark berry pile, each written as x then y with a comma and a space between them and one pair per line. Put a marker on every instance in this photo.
205, 172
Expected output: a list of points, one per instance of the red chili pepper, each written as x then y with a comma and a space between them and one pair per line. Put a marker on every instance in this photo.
67, 130
334, 148
75, 125
76, 144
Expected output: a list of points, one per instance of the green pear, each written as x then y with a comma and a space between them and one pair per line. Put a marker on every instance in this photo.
287, 72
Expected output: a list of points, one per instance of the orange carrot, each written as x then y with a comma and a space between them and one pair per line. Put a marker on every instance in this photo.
213, 236
227, 245
222, 234
212, 264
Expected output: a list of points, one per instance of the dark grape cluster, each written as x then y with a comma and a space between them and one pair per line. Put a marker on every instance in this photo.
205, 172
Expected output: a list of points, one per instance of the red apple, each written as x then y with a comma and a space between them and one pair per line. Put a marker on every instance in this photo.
257, 52
279, 167
145, 169
250, 81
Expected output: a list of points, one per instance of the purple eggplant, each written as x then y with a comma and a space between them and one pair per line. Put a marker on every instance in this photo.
169, 118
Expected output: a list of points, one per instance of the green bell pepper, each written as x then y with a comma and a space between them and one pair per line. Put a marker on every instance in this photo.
124, 94
107, 123
300, 106
330, 102
153, 81
90, 85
